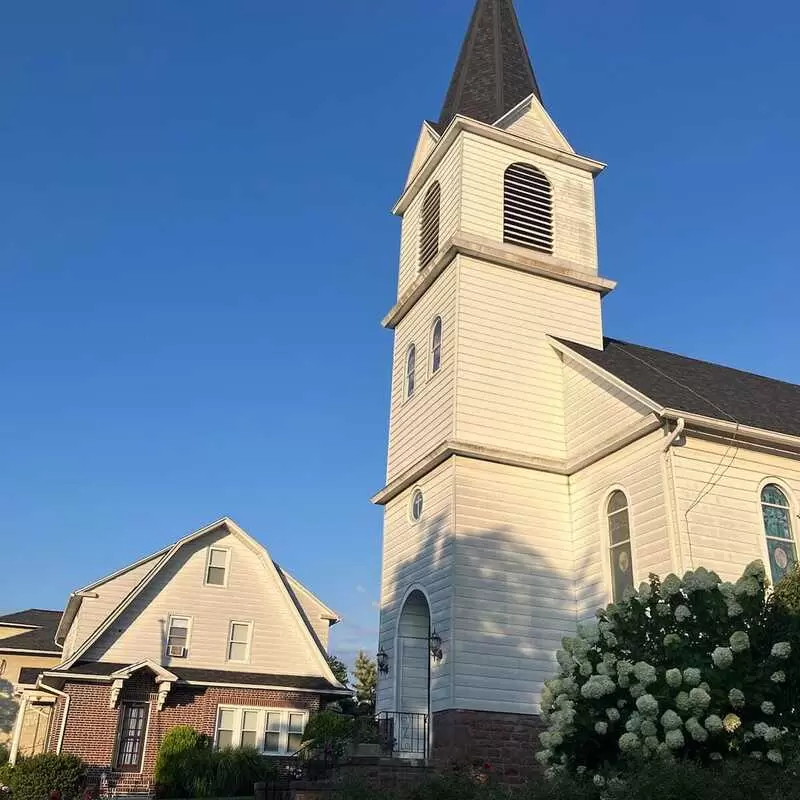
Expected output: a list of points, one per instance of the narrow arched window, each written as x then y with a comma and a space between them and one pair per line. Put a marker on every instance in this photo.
411, 371
429, 229
528, 208
619, 539
778, 529
436, 345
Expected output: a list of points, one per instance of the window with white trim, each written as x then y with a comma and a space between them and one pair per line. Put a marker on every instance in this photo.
272, 731
178, 637
240, 635
429, 229
619, 539
777, 514
411, 371
528, 208
436, 345
217, 566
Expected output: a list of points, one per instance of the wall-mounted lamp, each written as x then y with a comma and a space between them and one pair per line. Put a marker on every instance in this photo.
383, 662
436, 646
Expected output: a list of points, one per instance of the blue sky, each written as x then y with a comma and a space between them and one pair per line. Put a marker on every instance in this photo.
196, 250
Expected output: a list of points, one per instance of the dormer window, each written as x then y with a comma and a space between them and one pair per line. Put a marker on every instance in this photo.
429, 228
528, 208
217, 566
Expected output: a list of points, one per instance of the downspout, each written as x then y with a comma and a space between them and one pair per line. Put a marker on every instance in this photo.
675, 435
67, 699
23, 707
673, 497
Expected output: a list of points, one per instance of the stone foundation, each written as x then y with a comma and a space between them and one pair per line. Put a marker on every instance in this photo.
505, 742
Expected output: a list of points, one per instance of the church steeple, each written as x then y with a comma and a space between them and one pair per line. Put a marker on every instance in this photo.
494, 72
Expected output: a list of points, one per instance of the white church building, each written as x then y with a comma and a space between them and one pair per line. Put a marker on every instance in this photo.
536, 469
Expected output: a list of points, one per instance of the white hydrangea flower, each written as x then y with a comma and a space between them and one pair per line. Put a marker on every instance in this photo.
700, 580
662, 608
755, 569
623, 681
722, 657
713, 724
692, 676
775, 756
674, 678
740, 642
772, 735
564, 659
585, 668
610, 639
645, 592
747, 587
568, 644
672, 640
736, 698
634, 722
645, 673
734, 609
768, 708
682, 613
682, 702
671, 586
648, 728
589, 632
544, 756
651, 742
760, 729
674, 740
622, 702
598, 686
700, 698
599, 781
671, 721
757, 755
716, 756
727, 590
705, 687
624, 668
647, 705
602, 668
696, 730
629, 742
778, 677
732, 723
612, 714
601, 728
637, 690
781, 650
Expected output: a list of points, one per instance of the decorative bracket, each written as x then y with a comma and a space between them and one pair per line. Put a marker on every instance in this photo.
116, 689
163, 691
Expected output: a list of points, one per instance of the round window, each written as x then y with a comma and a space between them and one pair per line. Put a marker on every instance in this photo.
417, 502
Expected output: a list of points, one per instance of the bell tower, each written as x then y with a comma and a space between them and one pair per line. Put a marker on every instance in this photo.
498, 259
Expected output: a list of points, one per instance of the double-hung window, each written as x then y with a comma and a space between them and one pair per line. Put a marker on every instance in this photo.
217, 566
178, 637
272, 731
240, 635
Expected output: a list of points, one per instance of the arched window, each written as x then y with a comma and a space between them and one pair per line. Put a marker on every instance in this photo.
528, 208
417, 505
619, 539
778, 529
436, 345
429, 229
411, 371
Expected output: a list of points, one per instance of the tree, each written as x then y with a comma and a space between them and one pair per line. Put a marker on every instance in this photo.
692, 668
339, 670
365, 672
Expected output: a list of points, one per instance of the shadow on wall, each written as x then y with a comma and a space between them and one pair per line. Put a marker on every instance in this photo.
8, 708
511, 606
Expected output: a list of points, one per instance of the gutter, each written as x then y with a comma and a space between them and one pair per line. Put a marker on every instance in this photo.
676, 434
733, 429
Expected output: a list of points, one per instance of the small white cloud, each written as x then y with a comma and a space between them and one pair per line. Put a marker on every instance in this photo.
376, 605
360, 589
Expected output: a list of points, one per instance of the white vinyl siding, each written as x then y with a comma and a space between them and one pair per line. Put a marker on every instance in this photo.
254, 594
272, 731
532, 122
596, 411
418, 555
510, 391
514, 585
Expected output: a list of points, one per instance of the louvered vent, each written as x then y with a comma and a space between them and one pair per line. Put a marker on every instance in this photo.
429, 230
528, 208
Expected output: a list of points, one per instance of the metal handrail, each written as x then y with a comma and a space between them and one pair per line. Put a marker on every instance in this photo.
404, 733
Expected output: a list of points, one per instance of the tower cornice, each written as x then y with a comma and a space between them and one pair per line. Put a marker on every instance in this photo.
461, 125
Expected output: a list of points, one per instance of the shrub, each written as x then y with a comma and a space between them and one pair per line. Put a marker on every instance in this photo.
330, 733
177, 750
35, 778
689, 667
3, 755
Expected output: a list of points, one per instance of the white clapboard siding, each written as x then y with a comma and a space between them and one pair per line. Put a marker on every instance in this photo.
253, 594
424, 421
638, 470
514, 593
94, 610
448, 173
724, 531
316, 613
425, 145
509, 386
484, 166
418, 555
595, 410
532, 122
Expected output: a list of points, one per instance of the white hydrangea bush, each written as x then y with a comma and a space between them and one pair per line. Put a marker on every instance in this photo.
681, 668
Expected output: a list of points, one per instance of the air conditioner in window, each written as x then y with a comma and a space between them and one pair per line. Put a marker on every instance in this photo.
176, 651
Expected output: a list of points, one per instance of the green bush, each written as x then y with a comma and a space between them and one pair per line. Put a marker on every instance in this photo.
330, 733
179, 747
688, 668
3, 755
35, 778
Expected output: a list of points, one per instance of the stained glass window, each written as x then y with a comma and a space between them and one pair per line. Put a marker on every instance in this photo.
777, 515
619, 537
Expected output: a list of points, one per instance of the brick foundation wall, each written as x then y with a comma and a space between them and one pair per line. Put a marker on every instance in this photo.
91, 728
508, 742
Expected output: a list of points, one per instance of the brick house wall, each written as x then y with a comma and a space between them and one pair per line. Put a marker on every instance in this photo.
91, 728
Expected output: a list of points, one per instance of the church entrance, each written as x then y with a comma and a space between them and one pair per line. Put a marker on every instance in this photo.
413, 677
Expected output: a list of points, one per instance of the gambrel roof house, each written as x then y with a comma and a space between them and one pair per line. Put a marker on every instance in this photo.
209, 632
537, 469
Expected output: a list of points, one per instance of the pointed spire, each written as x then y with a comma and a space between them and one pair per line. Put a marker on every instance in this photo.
494, 71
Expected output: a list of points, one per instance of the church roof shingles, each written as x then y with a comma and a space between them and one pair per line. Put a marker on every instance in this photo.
494, 72
700, 387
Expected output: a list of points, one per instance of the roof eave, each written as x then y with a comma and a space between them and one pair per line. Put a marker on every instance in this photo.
734, 429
